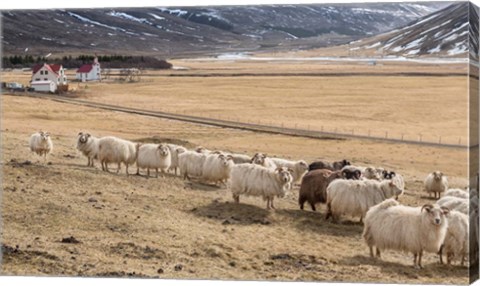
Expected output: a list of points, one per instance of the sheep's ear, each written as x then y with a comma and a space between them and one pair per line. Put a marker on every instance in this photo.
47, 134
80, 133
290, 170
278, 169
441, 174
229, 157
88, 135
427, 207
392, 174
216, 152
445, 210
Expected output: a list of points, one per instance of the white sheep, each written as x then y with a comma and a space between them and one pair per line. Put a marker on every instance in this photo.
191, 164
115, 150
355, 197
255, 180
297, 168
88, 145
203, 150
390, 225
153, 156
459, 193
436, 183
457, 238
175, 150
454, 203
216, 168
262, 160
41, 144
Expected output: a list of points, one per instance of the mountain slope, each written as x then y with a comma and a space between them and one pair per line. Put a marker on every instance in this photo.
172, 32
444, 33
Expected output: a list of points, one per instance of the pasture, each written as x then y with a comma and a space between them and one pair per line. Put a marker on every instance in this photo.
170, 228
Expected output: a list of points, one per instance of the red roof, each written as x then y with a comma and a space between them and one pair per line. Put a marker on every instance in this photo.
85, 68
53, 68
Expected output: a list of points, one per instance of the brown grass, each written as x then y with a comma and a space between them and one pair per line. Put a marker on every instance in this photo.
168, 228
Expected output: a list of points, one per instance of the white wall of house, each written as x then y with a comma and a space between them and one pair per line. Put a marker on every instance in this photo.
44, 74
93, 74
44, 86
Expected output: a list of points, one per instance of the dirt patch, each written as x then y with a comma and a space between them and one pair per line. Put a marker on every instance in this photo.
158, 139
131, 250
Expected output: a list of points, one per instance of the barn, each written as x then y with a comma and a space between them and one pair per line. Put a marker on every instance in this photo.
89, 72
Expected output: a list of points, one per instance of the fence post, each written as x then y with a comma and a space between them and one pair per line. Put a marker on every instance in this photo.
459, 140
420, 137
386, 134
402, 136
368, 132
439, 139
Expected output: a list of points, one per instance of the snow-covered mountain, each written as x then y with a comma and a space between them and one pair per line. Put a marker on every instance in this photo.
182, 31
443, 33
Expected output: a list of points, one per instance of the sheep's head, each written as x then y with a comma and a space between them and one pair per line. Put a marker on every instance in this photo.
284, 175
163, 150
180, 150
388, 175
44, 135
351, 174
396, 186
345, 163
371, 173
259, 158
437, 175
303, 166
83, 137
226, 160
200, 149
435, 214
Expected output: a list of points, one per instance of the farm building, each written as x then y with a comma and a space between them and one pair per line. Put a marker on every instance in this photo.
89, 72
45, 72
44, 86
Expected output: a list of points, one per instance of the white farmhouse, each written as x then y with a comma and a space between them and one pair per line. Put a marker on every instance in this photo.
89, 72
45, 73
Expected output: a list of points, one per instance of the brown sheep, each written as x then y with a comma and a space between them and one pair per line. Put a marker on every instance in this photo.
314, 186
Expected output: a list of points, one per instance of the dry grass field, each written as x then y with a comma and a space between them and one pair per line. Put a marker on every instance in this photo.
169, 228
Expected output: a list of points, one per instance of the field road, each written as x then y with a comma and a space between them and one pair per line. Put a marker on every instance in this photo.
233, 124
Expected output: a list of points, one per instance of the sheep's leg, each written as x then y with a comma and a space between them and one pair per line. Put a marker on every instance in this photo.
415, 260
379, 255
126, 169
148, 173
175, 170
88, 163
361, 219
118, 168
312, 205
268, 203
420, 259
236, 198
156, 172
271, 203
440, 254
462, 263
329, 211
371, 251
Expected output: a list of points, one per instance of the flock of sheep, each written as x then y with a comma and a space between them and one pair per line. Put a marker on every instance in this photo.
366, 192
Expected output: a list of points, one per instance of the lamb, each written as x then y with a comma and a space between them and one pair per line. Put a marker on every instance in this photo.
459, 193
314, 186
153, 156
456, 240
335, 166
191, 164
298, 168
216, 168
262, 160
454, 203
88, 145
255, 180
41, 144
390, 225
175, 150
356, 197
436, 183
115, 150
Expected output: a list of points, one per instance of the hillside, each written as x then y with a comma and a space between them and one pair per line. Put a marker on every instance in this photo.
175, 32
444, 33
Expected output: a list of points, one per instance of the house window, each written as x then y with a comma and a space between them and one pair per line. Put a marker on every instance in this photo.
37, 79
41, 72
45, 79
46, 72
